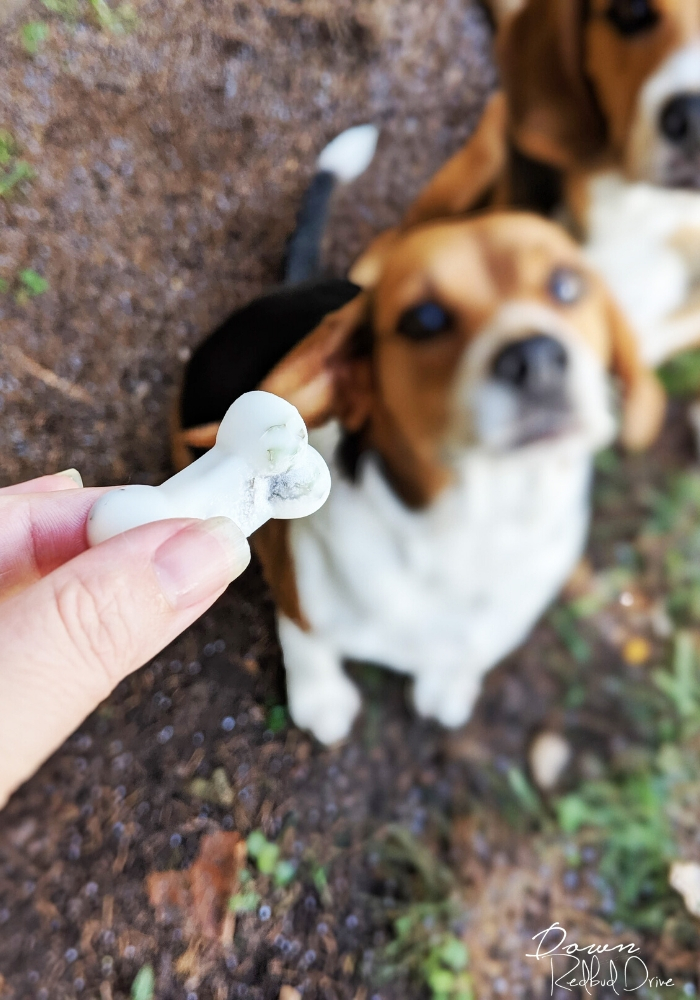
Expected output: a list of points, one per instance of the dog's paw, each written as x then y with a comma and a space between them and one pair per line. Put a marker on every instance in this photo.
327, 708
445, 697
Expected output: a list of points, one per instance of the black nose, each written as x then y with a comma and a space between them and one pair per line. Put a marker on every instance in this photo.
680, 120
535, 364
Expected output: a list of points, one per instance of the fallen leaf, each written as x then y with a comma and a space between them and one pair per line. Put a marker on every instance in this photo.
217, 789
636, 651
198, 896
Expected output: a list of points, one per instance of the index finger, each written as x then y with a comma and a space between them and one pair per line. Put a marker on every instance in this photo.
41, 531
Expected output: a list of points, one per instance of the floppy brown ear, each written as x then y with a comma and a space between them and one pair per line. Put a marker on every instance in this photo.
644, 403
468, 175
368, 266
328, 374
554, 115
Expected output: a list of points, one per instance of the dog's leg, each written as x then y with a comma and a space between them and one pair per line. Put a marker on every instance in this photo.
321, 697
447, 693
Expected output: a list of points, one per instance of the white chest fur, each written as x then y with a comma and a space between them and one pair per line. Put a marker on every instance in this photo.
454, 588
645, 241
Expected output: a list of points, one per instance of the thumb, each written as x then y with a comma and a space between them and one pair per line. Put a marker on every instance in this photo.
71, 637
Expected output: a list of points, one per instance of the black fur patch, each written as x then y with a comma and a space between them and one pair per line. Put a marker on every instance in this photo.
247, 346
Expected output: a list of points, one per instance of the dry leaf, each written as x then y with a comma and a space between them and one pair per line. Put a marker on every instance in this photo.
197, 897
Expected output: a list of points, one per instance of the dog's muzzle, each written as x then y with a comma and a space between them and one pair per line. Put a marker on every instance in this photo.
679, 124
531, 373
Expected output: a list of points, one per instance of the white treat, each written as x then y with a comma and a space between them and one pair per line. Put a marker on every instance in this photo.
260, 467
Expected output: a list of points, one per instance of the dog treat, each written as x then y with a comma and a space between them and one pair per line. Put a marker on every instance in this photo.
261, 466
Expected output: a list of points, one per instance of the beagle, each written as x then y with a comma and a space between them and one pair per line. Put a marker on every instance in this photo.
609, 92
458, 400
600, 114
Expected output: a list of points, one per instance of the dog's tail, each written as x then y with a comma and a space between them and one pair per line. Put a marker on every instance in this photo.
344, 158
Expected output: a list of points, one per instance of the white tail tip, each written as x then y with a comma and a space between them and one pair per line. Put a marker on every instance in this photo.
350, 153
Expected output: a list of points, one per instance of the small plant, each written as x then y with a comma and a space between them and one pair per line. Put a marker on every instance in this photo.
244, 902
565, 624
266, 856
144, 984
626, 820
116, 20
13, 171
34, 35
681, 375
427, 950
681, 684
69, 10
31, 286
276, 718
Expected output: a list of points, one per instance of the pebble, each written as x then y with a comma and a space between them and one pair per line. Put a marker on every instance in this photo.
228, 723
685, 879
289, 993
549, 756
165, 734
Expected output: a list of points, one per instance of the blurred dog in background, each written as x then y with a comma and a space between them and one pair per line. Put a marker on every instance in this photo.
601, 126
458, 399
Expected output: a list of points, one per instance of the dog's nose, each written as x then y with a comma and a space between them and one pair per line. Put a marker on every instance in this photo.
535, 364
680, 120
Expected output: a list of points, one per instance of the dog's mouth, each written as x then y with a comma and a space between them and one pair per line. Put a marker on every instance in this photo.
682, 171
506, 420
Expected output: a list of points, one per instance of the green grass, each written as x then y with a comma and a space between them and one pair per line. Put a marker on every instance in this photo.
625, 819
425, 950
116, 20
34, 35
681, 375
13, 171
69, 10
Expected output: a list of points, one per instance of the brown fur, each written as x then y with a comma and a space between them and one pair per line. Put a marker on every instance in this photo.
572, 79
399, 394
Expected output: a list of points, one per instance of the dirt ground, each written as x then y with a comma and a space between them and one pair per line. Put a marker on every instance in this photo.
168, 162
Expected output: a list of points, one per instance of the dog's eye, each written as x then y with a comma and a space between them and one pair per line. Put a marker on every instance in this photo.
632, 16
566, 286
424, 321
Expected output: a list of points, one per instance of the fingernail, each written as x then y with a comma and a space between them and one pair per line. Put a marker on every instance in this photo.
72, 474
200, 560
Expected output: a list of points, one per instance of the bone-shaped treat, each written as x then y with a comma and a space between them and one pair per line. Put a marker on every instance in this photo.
261, 466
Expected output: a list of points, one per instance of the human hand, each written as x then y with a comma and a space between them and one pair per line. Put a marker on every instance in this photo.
75, 621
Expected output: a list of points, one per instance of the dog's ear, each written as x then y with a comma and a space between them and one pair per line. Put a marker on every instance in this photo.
553, 113
467, 176
329, 373
368, 267
644, 400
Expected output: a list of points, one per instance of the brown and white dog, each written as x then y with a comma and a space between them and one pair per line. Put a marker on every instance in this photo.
458, 400
606, 92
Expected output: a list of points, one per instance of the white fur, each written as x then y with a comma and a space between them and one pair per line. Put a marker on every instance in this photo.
260, 467
444, 593
350, 153
649, 150
631, 229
